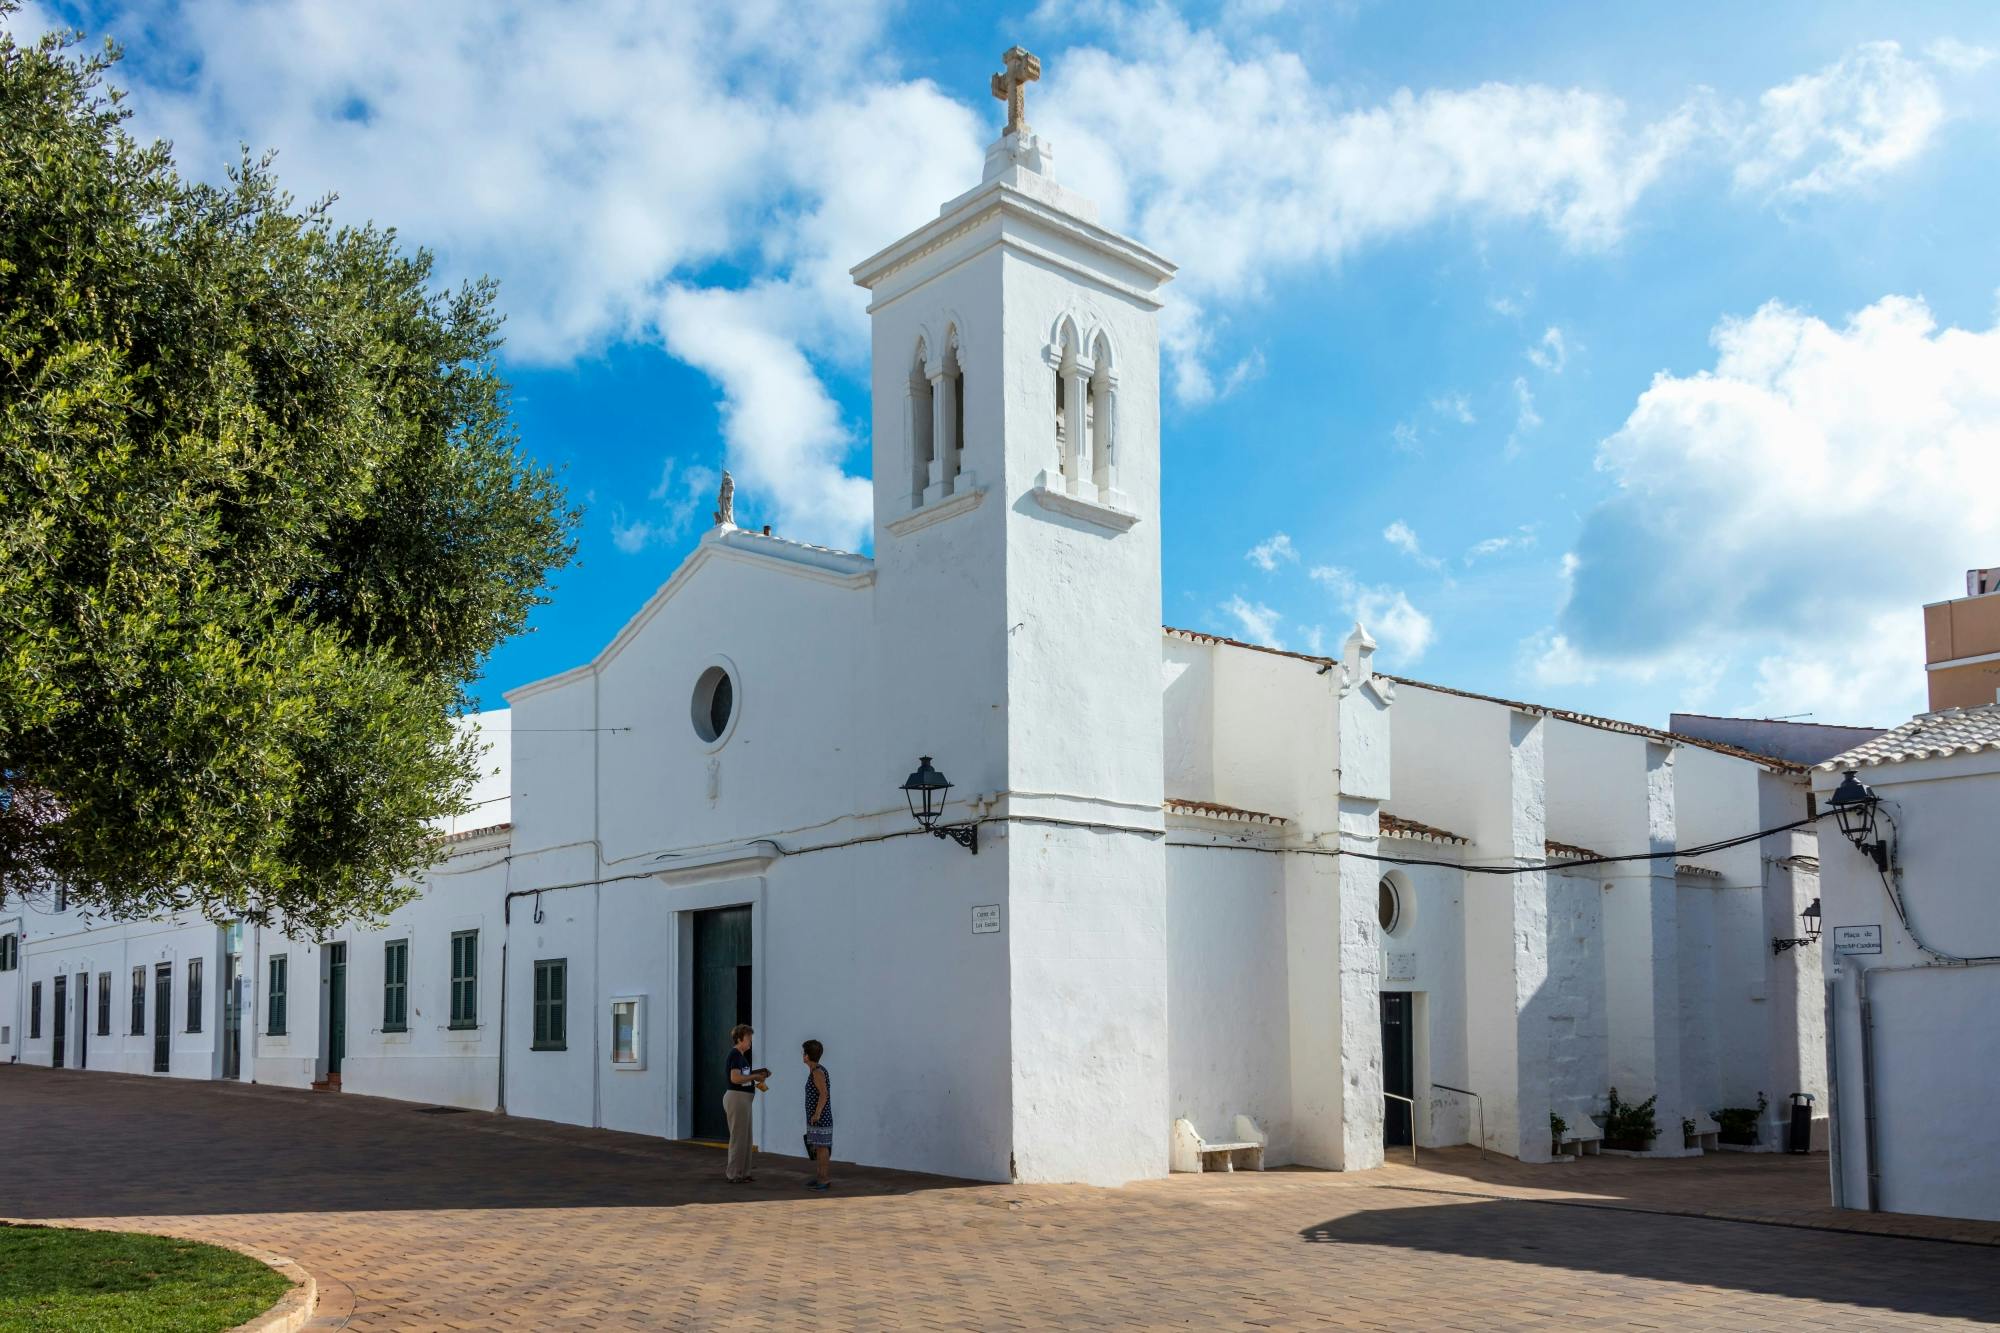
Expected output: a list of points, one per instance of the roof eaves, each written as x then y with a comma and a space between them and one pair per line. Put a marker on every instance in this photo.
1227, 813
1395, 826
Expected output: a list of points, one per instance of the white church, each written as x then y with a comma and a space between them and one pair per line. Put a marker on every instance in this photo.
1182, 890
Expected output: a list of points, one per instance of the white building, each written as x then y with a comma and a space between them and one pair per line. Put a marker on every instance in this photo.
1176, 907
1912, 943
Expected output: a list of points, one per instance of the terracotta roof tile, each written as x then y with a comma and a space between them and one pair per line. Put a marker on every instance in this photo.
1181, 805
1395, 826
1563, 851
471, 833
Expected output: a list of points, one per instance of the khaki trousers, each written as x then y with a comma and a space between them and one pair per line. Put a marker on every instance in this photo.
736, 1107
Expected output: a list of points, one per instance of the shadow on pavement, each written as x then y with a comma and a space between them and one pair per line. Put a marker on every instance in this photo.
89, 1144
1908, 1276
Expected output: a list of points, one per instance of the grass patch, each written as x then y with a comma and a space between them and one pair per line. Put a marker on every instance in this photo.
122, 1282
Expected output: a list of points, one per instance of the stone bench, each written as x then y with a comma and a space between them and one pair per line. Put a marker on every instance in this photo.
1587, 1140
1191, 1152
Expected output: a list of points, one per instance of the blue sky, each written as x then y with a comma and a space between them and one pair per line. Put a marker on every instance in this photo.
1624, 359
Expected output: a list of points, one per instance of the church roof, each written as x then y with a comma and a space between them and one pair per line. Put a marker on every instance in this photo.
1395, 826
1928, 736
1181, 805
1771, 762
1610, 724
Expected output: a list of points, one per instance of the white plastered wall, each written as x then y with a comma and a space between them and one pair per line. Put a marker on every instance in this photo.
1935, 1046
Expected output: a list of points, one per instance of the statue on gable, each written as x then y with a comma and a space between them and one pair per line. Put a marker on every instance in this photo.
725, 503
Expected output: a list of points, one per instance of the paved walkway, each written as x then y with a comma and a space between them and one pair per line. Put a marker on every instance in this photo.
470, 1221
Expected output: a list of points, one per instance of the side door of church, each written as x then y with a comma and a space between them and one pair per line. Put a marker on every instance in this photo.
720, 1000
1399, 1065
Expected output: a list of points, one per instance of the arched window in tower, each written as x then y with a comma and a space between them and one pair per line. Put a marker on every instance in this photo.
947, 420
1069, 405
919, 418
1103, 418
955, 456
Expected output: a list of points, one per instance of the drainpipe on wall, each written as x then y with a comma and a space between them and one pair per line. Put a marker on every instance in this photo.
1832, 1039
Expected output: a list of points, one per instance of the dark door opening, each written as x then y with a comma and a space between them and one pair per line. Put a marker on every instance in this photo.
232, 1015
1399, 1065
163, 1006
336, 1000
60, 1031
83, 1020
721, 1000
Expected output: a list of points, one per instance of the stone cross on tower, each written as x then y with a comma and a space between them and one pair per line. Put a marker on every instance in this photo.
1011, 86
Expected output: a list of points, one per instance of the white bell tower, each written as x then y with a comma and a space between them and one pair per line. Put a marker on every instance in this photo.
1017, 547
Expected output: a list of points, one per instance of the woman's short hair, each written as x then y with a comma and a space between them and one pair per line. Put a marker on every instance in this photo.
813, 1051
739, 1032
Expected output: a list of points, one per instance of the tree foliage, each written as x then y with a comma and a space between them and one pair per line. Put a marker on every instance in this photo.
262, 516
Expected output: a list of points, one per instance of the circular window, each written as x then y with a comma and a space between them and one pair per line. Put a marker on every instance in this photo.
713, 707
1388, 905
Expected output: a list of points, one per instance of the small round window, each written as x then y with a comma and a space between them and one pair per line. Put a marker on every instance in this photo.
714, 704
1388, 905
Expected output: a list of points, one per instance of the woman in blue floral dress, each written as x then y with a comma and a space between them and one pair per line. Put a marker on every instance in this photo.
819, 1116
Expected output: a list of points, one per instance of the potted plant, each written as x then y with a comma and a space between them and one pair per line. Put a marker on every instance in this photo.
1628, 1126
1557, 1127
1739, 1123
1689, 1139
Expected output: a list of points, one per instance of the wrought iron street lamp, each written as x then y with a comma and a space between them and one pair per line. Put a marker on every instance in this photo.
926, 790
1853, 806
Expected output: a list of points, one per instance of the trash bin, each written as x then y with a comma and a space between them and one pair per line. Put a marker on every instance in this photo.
1800, 1139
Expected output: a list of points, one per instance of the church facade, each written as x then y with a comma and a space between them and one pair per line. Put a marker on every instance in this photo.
1177, 879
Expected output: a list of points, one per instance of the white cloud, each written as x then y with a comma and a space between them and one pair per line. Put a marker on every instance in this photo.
1403, 631
1316, 639
1267, 554
1526, 418
1552, 352
1519, 540
1404, 538
1258, 623
1956, 56
636, 535
1867, 113
1406, 438
1789, 510
680, 492
1281, 171
604, 171
1454, 406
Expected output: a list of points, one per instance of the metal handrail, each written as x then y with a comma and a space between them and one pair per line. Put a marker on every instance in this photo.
1413, 1122
1478, 1103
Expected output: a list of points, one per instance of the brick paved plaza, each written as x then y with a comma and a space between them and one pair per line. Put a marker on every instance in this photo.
413, 1220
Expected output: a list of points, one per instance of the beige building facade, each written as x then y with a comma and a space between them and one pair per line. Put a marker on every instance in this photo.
1962, 644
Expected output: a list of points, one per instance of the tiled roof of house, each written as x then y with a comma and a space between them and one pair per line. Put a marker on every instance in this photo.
1395, 826
1563, 851
1685, 868
1181, 805
1928, 736
472, 833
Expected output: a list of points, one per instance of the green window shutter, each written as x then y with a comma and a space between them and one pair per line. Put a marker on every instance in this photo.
396, 986
465, 979
550, 990
279, 987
